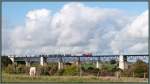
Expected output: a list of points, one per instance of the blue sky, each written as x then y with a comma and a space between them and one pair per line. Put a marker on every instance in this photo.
14, 12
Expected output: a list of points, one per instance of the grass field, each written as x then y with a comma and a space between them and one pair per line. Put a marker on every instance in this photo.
26, 78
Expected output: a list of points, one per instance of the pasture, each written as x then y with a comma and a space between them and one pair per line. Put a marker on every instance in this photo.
26, 78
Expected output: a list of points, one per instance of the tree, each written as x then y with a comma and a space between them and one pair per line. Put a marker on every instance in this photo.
5, 61
139, 68
113, 62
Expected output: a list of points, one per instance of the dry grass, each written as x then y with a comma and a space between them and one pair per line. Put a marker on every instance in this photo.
26, 78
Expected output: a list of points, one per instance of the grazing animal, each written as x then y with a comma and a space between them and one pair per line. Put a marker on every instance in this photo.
32, 71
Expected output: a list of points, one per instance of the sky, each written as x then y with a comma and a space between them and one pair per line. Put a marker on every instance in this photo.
75, 27
12, 9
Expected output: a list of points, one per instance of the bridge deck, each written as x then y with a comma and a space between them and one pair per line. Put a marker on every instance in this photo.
52, 56
75, 58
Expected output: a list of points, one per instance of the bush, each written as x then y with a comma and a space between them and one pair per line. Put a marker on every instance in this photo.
59, 72
108, 69
5, 61
27, 70
53, 70
10, 69
113, 62
22, 69
46, 70
87, 65
43, 70
71, 70
90, 71
16, 69
138, 69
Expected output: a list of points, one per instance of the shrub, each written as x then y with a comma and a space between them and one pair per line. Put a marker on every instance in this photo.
108, 69
27, 70
53, 70
87, 65
59, 72
113, 62
71, 70
16, 69
43, 70
5, 61
20, 69
138, 69
90, 71
10, 69
46, 70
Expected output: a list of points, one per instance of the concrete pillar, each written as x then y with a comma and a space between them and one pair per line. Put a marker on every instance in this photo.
12, 58
27, 63
126, 62
43, 60
98, 65
77, 63
60, 63
123, 62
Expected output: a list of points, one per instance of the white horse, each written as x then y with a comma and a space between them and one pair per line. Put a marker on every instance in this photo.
32, 71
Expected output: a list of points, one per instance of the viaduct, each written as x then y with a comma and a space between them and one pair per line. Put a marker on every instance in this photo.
60, 59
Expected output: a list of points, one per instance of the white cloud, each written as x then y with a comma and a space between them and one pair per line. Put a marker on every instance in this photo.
75, 28
134, 37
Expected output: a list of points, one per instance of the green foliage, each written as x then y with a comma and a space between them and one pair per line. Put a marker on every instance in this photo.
87, 65
90, 71
5, 61
137, 69
109, 67
43, 70
10, 69
27, 69
71, 70
47, 70
113, 62
16, 69
53, 70
60, 72
20, 69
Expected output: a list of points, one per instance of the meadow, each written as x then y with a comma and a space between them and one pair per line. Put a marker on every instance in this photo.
26, 78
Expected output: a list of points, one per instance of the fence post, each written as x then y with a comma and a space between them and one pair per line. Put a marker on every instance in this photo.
144, 75
133, 74
118, 74
98, 74
79, 66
